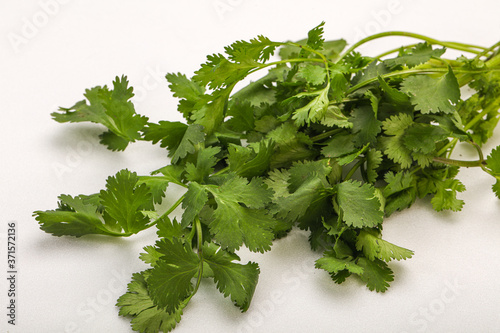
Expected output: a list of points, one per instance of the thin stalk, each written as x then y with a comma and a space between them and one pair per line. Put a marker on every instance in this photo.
451, 45
353, 169
199, 238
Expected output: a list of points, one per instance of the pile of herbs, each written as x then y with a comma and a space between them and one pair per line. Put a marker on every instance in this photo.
327, 140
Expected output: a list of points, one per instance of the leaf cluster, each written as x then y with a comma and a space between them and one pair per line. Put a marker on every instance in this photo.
327, 141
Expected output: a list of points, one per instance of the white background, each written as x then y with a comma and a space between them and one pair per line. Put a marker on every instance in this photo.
51, 50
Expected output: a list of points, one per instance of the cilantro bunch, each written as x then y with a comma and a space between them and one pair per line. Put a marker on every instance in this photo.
327, 140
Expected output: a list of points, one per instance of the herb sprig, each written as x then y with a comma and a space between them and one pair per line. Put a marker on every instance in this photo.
327, 140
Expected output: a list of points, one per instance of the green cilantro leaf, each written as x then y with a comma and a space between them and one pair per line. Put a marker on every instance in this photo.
232, 279
111, 108
330, 263
195, 199
376, 274
446, 195
146, 316
421, 53
239, 217
170, 280
359, 204
373, 246
124, 199
433, 95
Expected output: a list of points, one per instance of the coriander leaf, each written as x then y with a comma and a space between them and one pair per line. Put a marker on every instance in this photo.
393, 145
376, 274
179, 138
315, 38
334, 117
365, 126
195, 199
111, 108
359, 204
184, 88
75, 217
432, 95
291, 145
330, 263
235, 224
422, 138
169, 228
339, 145
393, 95
313, 111
252, 160
493, 160
446, 195
373, 246
205, 161
257, 49
400, 191
314, 75
373, 161
232, 279
157, 186
150, 255
421, 53
124, 199
146, 316
211, 114
170, 280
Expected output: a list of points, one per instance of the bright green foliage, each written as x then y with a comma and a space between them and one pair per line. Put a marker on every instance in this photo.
373, 247
147, 317
232, 279
170, 280
359, 204
117, 211
111, 108
328, 141
433, 95
415, 56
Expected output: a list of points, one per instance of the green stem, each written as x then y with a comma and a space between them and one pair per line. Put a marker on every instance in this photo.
353, 169
466, 164
418, 71
199, 237
326, 135
451, 45
169, 211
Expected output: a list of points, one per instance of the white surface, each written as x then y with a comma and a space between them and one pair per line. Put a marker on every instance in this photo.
70, 285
